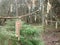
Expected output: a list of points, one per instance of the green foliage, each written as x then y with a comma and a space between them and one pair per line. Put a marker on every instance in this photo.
29, 35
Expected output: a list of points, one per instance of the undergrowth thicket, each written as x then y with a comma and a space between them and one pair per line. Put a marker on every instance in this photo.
29, 35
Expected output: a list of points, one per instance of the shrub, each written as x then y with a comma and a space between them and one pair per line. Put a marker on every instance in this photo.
28, 34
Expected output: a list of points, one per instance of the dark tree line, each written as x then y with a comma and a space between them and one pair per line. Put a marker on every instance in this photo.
8, 8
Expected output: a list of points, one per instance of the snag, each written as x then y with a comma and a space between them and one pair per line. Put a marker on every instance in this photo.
18, 28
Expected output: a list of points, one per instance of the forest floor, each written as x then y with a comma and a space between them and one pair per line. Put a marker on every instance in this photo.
51, 36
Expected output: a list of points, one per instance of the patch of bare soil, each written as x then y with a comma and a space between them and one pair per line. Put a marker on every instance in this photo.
51, 36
